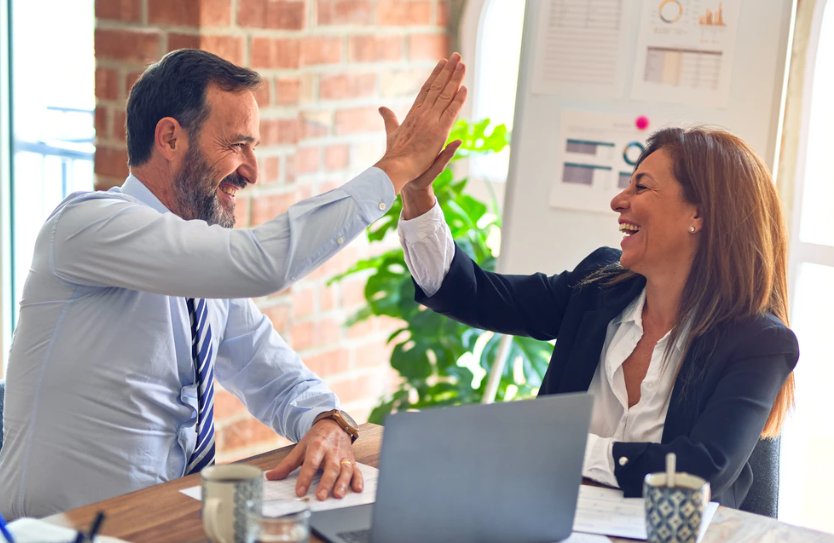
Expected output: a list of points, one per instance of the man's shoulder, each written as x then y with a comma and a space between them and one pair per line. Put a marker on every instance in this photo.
91, 200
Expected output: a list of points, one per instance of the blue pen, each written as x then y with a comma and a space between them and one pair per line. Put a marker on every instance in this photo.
4, 530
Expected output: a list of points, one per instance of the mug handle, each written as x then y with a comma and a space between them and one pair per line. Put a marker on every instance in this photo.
210, 520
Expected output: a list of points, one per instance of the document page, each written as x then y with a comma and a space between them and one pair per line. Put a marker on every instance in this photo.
605, 511
285, 492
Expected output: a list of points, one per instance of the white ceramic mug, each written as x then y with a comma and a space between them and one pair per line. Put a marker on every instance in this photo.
226, 491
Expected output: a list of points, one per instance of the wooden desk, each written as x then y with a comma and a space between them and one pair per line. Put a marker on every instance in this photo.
161, 514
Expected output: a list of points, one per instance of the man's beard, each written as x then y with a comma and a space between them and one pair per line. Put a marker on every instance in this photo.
196, 199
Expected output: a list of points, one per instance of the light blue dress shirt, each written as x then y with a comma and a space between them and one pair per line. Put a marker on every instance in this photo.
101, 396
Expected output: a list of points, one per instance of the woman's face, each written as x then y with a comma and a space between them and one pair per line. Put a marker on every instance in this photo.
656, 220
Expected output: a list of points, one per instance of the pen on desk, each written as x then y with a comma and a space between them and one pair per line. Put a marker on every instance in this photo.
4, 530
96, 526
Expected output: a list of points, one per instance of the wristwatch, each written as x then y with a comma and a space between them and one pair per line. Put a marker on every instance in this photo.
344, 420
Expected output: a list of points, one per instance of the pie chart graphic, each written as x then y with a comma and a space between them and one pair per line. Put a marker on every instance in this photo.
671, 11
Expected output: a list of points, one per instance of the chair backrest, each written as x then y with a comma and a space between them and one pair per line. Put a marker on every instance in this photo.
2, 399
763, 497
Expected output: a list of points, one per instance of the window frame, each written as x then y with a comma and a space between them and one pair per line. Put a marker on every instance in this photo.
6, 157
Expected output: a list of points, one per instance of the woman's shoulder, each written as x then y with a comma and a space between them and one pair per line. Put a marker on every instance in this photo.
601, 258
761, 332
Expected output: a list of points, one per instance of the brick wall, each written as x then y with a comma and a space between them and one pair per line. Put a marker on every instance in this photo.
328, 65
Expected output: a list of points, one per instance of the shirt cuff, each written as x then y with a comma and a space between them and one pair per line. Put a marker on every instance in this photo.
373, 192
415, 230
599, 460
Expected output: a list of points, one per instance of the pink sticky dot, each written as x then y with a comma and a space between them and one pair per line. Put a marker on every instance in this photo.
642, 122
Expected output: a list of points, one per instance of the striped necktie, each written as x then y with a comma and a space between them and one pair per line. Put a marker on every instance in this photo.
201, 353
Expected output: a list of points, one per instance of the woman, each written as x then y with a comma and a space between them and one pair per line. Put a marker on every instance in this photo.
681, 337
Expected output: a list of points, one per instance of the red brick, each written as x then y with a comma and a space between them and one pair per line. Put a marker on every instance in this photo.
358, 388
226, 404
443, 8
130, 80
243, 433
403, 12
315, 124
241, 211
268, 206
329, 363
303, 302
111, 162
279, 131
345, 12
375, 354
179, 13
375, 48
320, 50
402, 83
353, 293
271, 169
119, 131
275, 53
316, 334
290, 172
215, 13
263, 94
307, 159
227, 47
361, 119
273, 14
336, 157
361, 329
129, 11
279, 315
287, 91
107, 84
347, 86
327, 298
139, 47
428, 46
101, 124
183, 41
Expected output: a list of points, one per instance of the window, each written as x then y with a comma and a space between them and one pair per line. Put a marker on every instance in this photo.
52, 108
499, 25
806, 472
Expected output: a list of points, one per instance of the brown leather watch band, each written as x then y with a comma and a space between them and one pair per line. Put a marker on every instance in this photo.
343, 420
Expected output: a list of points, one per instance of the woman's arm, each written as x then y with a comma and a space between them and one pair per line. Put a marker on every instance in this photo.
728, 428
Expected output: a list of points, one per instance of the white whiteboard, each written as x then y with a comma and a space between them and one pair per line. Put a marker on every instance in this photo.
539, 238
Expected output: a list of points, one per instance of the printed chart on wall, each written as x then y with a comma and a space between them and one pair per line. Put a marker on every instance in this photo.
578, 49
596, 157
685, 51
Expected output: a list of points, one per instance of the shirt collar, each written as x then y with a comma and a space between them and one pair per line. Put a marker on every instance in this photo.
634, 314
135, 188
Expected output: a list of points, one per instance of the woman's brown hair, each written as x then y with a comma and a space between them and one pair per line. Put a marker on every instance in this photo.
740, 268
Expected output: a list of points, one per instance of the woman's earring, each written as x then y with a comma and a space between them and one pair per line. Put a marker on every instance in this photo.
691, 229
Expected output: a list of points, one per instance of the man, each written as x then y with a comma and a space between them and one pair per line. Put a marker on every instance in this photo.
138, 297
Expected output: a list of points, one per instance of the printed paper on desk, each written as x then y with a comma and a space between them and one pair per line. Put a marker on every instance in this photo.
285, 490
30, 530
605, 511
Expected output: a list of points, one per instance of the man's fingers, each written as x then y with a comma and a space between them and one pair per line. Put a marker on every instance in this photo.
451, 112
427, 85
312, 462
345, 475
288, 464
451, 90
358, 479
442, 80
390, 119
328, 478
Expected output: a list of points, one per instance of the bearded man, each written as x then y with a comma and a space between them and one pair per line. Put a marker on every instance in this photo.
139, 297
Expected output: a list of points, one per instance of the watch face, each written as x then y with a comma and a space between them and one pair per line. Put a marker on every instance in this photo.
349, 419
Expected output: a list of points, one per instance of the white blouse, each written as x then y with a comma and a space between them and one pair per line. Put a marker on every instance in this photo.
429, 250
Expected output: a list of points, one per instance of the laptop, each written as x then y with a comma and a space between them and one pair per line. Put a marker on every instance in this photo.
499, 473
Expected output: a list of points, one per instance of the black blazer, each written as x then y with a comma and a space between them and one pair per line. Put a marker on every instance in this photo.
713, 423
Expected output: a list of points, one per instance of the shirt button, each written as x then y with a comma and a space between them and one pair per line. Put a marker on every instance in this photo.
650, 385
382, 206
623, 460
340, 241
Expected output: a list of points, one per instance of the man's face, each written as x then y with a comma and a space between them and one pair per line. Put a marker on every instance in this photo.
220, 160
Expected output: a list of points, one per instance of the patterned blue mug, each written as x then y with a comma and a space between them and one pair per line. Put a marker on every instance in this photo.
673, 515
228, 492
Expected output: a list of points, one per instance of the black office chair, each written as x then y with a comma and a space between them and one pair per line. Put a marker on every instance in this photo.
2, 398
763, 497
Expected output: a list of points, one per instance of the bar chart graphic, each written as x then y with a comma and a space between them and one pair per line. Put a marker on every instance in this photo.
713, 18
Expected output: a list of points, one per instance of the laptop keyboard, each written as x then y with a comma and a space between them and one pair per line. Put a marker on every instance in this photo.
358, 536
